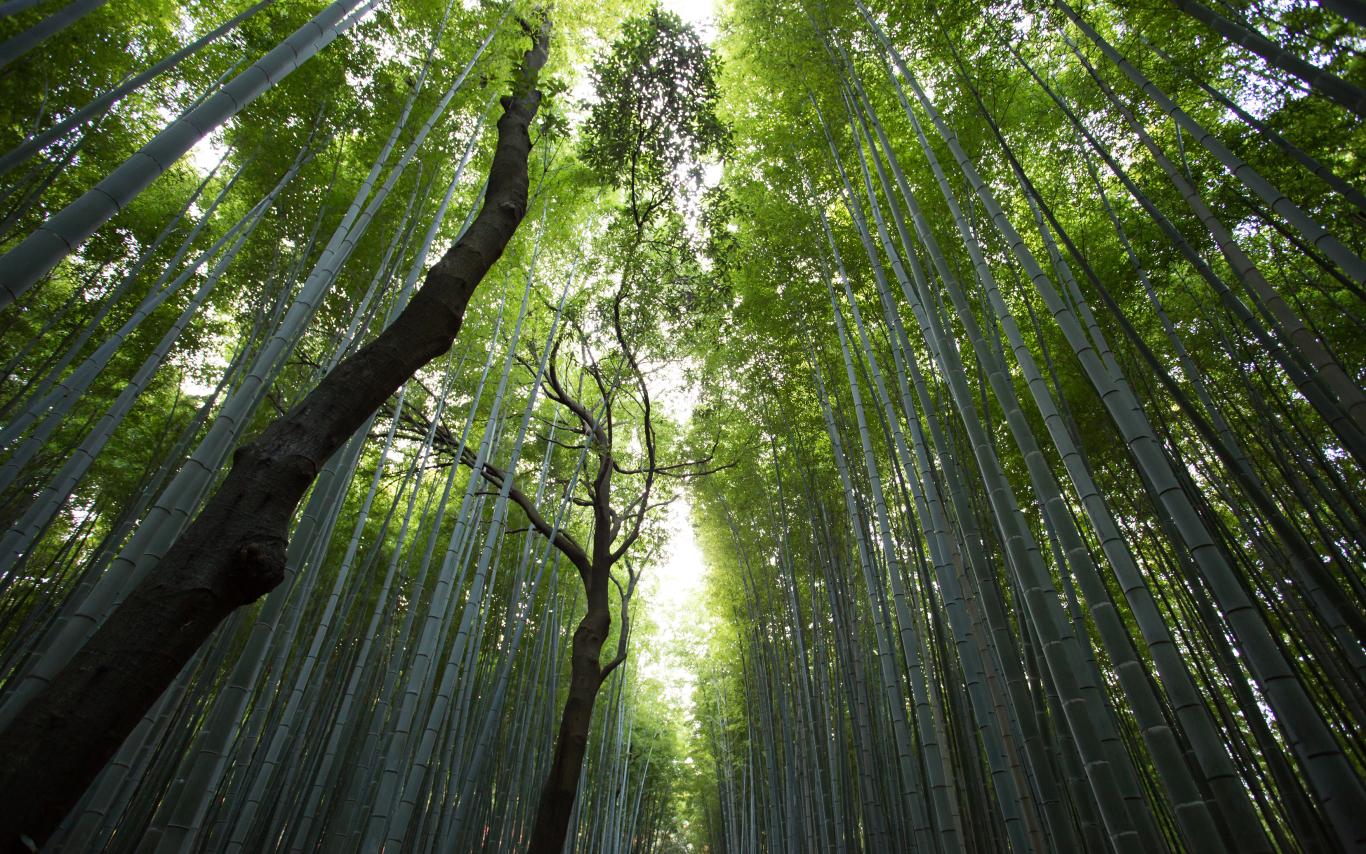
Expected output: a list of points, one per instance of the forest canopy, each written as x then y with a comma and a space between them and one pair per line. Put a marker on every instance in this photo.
877, 425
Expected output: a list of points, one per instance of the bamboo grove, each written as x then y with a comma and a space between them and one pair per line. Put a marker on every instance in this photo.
1008, 355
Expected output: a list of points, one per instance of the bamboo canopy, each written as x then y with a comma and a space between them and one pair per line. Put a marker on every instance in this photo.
856, 425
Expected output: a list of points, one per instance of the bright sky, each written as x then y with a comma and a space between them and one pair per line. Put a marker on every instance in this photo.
699, 13
671, 599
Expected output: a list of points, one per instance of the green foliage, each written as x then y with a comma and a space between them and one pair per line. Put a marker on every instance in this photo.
719, 279
653, 121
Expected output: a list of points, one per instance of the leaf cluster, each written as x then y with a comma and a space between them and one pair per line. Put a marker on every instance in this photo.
655, 120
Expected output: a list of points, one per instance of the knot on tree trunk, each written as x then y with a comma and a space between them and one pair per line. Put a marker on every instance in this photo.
257, 568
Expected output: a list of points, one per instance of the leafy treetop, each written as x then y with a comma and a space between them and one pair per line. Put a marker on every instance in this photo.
655, 118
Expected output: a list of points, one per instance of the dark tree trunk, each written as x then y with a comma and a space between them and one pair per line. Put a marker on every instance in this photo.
562, 786
234, 551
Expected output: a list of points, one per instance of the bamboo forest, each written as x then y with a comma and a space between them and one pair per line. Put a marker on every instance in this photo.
683, 426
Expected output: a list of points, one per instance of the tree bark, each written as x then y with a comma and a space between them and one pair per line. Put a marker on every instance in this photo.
587, 672
234, 552
562, 786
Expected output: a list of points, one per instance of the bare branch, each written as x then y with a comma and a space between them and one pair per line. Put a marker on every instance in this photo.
556, 392
666, 472
625, 634
672, 470
553, 441
561, 539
